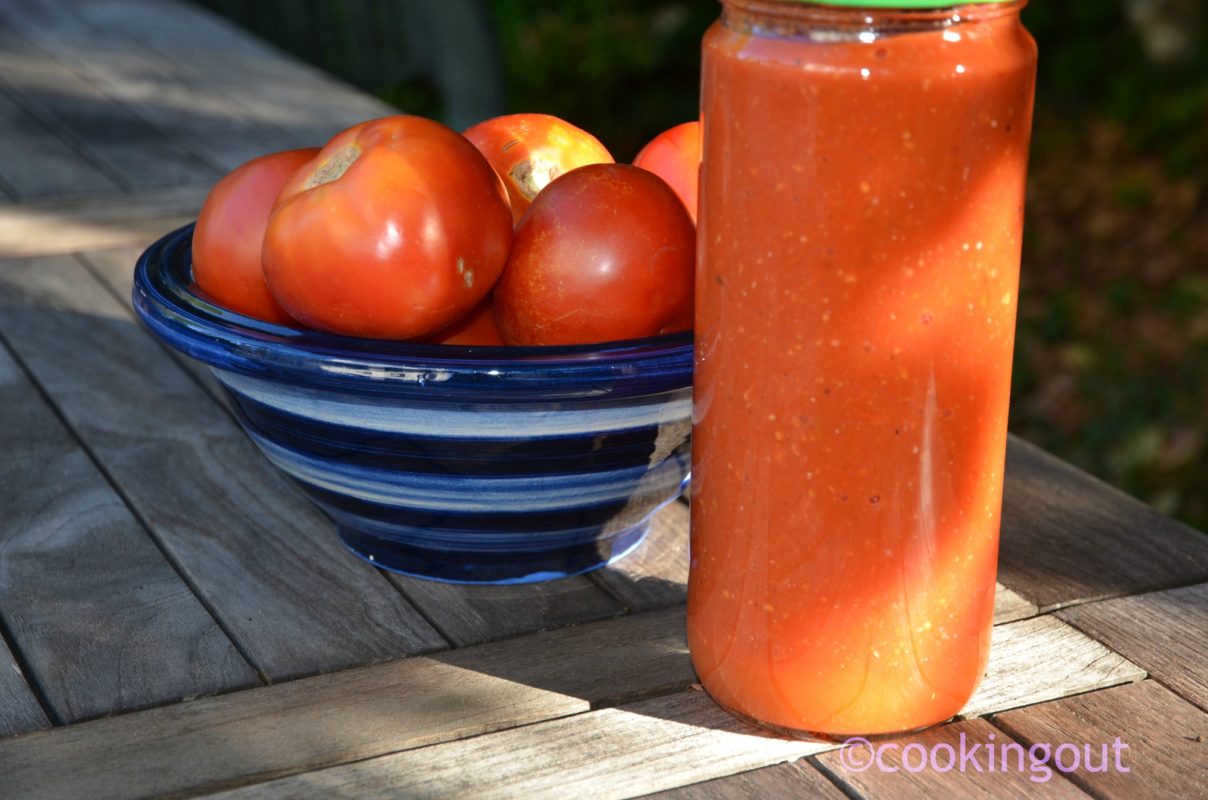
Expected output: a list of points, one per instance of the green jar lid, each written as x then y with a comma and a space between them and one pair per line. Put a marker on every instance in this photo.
899, 3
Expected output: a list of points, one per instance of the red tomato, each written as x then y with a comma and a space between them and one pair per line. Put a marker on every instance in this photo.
674, 155
530, 150
476, 328
395, 230
230, 231
605, 252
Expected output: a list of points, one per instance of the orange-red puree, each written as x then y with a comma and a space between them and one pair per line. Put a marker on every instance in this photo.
862, 197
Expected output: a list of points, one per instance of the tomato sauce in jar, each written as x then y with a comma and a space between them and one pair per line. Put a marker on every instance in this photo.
859, 241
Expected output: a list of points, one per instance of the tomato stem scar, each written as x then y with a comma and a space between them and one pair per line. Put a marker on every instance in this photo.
334, 167
534, 174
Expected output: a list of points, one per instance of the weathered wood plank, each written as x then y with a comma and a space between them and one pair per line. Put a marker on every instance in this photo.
1165, 632
37, 163
329, 719
95, 221
636, 749
130, 150
114, 267
263, 558
1041, 659
656, 574
620, 752
1008, 606
928, 765
1069, 538
19, 708
181, 104
1164, 741
309, 104
475, 614
793, 779
356, 715
101, 617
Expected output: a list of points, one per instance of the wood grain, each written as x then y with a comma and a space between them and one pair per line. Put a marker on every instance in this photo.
129, 149
656, 574
1165, 632
620, 752
1042, 658
114, 268
783, 781
38, 163
263, 558
475, 614
309, 105
19, 708
355, 714
928, 765
252, 736
1008, 606
103, 621
95, 221
211, 126
1164, 738
1069, 538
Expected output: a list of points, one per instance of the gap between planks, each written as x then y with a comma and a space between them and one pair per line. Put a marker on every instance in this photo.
22, 707
1164, 738
1069, 538
1166, 633
677, 739
131, 153
463, 704
263, 557
96, 613
185, 107
268, 86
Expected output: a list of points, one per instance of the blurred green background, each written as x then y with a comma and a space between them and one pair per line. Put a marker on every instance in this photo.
1111, 369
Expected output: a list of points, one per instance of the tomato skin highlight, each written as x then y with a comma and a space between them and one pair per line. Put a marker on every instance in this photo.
605, 252
674, 155
396, 229
531, 150
230, 232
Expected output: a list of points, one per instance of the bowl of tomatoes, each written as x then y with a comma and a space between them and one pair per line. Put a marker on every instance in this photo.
484, 459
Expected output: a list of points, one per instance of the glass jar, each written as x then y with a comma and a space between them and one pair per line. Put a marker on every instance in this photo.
861, 214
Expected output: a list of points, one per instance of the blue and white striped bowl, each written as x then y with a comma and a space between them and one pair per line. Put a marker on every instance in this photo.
462, 464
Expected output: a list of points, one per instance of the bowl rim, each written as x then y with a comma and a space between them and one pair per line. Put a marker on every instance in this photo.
167, 303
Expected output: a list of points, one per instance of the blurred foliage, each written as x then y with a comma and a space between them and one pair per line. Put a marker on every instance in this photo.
1111, 369
1112, 352
368, 43
623, 69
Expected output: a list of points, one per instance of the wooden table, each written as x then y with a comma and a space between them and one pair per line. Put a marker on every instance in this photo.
177, 620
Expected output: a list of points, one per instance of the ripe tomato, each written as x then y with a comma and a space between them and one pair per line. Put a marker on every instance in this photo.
530, 150
230, 231
674, 155
605, 252
395, 229
476, 328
